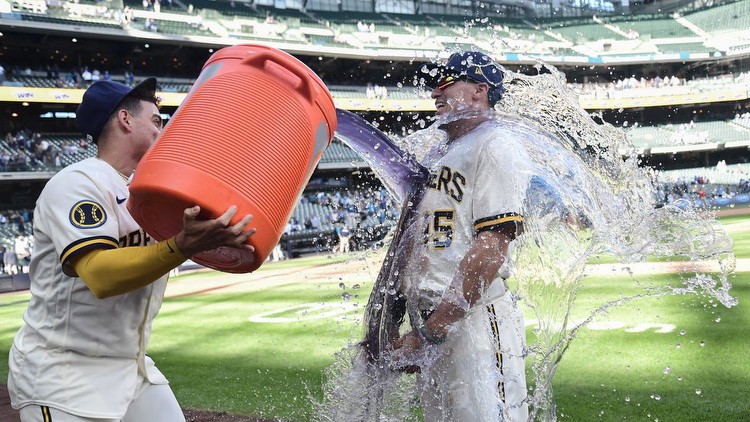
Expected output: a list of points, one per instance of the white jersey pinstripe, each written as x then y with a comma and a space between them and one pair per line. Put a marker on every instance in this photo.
77, 353
477, 184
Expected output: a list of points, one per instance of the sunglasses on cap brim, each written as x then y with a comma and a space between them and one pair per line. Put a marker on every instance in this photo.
452, 79
449, 80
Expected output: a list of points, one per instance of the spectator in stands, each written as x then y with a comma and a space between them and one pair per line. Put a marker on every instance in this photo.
151, 25
22, 249
344, 235
129, 78
2, 255
288, 227
86, 76
96, 273
296, 226
9, 261
72, 79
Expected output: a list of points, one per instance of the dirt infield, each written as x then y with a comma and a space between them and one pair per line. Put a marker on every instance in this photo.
726, 212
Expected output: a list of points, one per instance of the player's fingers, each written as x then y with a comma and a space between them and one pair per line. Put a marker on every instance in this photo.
241, 238
227, 216
192, 212
241, 225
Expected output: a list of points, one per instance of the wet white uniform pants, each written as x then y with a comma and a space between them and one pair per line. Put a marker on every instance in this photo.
155, 402
480, 375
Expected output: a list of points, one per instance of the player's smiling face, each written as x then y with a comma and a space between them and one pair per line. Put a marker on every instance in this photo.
453, 94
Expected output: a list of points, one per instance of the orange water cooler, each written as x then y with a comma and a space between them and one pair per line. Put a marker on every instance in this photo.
250, 133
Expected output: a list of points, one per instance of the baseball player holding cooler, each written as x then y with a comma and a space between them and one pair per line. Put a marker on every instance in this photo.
456, 294
97, 279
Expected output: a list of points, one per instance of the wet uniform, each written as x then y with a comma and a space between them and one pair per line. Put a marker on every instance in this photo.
476, 184
77, 357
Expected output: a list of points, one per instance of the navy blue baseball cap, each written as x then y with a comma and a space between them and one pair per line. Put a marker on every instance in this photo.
102, 98
472, 66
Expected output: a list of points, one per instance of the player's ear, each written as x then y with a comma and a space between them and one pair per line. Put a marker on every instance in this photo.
123, 116
123, 119
480, 90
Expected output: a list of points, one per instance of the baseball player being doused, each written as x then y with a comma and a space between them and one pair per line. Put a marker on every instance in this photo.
97, 279
450, 257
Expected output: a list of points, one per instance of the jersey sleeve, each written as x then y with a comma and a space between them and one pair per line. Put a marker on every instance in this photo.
501, 181
76, 215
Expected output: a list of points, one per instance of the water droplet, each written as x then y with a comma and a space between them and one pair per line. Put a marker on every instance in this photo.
679, 345
703, 343
679, 378
667, 370
342, 285
718, 319
345, 296
682, 332
698, 391
627, 399
657, 397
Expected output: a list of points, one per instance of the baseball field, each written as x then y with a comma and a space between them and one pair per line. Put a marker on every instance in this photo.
255, 346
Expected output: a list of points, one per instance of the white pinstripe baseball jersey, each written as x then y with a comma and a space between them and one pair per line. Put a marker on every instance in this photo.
75, 352
478, 184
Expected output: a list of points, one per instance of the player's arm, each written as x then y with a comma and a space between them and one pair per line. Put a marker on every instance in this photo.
476, 271
111, 272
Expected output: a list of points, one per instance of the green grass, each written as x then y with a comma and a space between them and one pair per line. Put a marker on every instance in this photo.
616, 375
217, 359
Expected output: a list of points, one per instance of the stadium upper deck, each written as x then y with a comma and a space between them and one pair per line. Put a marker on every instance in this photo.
716, 33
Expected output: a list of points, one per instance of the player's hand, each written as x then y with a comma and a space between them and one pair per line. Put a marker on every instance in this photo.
199, 235
406, 353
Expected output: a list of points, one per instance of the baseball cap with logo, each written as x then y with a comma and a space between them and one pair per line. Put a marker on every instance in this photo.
102, 98
473, 66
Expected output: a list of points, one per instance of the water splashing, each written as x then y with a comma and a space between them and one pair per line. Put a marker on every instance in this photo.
584, 199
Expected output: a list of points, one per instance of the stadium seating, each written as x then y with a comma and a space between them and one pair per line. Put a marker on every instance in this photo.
550, 35
724, 131
722, 18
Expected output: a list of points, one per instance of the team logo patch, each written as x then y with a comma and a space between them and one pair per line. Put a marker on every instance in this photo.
87, 215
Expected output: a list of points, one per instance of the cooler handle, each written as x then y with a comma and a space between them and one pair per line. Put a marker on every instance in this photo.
258, 60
